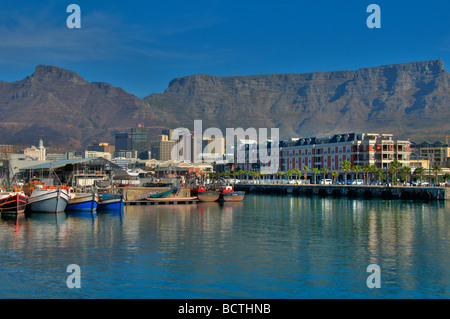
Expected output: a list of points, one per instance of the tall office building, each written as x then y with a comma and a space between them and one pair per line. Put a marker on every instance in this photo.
139, 141
122, 142
161, 148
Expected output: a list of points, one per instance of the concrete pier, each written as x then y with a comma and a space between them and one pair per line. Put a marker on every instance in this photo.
362, 191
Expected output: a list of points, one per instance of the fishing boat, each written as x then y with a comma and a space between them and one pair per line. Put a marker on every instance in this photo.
228, 194
109, 201
82, 202
49, 199
13, 202
205, 195
208, 195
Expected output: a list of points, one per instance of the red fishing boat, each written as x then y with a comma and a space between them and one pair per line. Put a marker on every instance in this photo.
205, 195
228, 194
13, 202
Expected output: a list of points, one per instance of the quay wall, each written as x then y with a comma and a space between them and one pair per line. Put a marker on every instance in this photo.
362, 191
135, 193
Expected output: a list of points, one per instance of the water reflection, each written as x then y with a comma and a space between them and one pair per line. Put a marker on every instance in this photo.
262, 247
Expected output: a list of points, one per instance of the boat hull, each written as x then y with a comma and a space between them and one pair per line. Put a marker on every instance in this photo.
232, 196
158, 195
48, 200
83, 203
13, 203
110, 202
208, 196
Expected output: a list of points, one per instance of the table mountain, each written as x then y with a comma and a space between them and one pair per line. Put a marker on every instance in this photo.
70, 112
403, 99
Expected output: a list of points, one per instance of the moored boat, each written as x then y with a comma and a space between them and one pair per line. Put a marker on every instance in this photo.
13, 202
49, 199
82, 202
205, 195
228, 194
165, 194
208, 196
110, 201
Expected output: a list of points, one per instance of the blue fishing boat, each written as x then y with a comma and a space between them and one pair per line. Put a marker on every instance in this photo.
110, 201
85, 202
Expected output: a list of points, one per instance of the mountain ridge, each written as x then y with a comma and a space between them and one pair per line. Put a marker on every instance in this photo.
316, 92
65, 109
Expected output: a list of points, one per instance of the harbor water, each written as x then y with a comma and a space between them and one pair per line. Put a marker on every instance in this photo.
267, 246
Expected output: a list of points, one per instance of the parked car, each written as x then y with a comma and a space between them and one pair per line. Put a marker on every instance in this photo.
359, 182
326, 182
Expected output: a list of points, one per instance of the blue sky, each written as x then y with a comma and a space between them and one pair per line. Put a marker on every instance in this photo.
142, 45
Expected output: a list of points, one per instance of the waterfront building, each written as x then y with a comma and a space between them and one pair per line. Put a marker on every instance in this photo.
170, 169
417, 161
360, 149
250, 156
161, 148
436, 152
38, 153
90, 154
213, 149
151, 164
74, 172
103, 147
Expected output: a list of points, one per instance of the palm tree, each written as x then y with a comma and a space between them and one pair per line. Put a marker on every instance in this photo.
446, 177
420, 170
436, 168
394, 166
406, 170
247, 173
305, 170
356, 169
324, 170
280, 173
240, 173
393, 171
234, 174
298, 172
380, 174
315, 171
346, 167
289, 173
366, 169
334, 174
373, 170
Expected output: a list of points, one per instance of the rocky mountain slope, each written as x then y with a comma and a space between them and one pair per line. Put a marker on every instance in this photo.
66, 110
403, 99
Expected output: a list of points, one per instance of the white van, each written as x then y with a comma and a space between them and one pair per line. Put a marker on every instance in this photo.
326, 182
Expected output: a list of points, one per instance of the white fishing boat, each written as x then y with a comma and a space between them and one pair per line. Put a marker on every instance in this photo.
50, 199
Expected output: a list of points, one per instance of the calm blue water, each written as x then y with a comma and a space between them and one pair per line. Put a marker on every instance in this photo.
265, 247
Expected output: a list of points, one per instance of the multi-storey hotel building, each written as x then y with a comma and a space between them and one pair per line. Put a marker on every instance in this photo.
328, 152
358, 148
